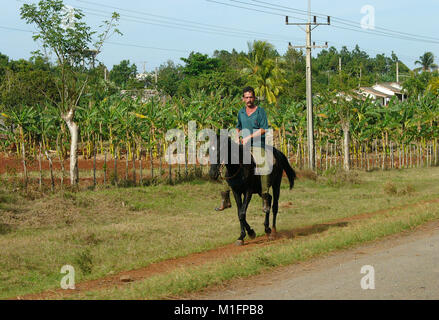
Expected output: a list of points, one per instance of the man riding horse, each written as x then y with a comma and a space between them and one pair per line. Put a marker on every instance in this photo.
252, 125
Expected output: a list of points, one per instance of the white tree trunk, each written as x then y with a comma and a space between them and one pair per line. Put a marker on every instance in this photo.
346, 141
73, 128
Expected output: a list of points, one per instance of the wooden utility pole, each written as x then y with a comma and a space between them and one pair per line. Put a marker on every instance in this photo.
309, 107
144, 66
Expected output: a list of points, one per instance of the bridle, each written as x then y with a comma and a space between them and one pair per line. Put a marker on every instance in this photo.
234, 175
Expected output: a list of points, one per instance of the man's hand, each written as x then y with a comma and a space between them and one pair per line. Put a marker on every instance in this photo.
246, 139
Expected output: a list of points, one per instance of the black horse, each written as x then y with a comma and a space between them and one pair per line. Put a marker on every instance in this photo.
244, 183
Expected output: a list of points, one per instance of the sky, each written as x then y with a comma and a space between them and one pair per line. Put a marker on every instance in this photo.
155, 31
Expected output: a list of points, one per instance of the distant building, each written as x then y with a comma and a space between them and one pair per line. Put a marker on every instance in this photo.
383, 92
144, 94
147, 76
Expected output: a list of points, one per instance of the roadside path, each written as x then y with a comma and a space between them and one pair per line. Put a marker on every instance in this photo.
406, 266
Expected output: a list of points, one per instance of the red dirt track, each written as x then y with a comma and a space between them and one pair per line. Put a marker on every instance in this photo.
12, 166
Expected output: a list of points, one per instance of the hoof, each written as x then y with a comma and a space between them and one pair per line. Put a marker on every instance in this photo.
252, 234
239, 243
273, 234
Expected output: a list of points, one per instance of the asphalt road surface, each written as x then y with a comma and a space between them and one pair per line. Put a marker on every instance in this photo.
404, 266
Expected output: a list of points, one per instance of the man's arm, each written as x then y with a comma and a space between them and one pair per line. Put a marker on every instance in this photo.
238, 131
255, 134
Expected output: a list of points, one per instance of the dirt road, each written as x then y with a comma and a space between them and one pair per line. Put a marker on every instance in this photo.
405, 266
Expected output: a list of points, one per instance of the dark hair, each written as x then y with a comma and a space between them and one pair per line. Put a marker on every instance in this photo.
249, 89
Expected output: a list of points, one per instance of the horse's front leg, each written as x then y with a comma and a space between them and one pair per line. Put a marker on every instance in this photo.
239, 205
242, 212
267, 224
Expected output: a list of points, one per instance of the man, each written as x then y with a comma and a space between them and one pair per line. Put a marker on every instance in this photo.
252, 125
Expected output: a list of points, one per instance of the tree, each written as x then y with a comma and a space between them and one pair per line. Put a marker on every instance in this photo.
169, 77
27, 88
71, 44
122, 73
433, 86
295, 67
426, 61
264, 69
415, 84
4, 63
229, 60
198, 63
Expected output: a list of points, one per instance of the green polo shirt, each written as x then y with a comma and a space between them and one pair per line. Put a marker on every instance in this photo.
257, 120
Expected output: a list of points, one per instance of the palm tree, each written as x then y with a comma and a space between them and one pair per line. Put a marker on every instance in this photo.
264, 70
426, 61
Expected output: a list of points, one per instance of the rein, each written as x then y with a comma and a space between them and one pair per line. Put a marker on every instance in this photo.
234, 175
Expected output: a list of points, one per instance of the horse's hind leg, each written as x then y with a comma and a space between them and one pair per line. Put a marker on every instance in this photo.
275, 207
266, 204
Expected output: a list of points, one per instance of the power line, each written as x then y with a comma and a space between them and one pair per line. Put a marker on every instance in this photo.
383, 34
389, 32
108, 42
15, 29
186, 28
179, 26
393, 35
184, 21
347, 22
262, 11
146, 47
186, 24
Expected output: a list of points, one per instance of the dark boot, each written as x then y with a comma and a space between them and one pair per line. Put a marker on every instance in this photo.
225, 202
266, 198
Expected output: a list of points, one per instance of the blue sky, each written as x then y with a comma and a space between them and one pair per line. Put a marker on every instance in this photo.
170, 29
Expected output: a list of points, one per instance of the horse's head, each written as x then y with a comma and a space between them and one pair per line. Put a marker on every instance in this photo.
224, 151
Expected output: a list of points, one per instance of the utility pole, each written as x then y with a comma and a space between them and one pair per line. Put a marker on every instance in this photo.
144, 72
144, 66
397, 71
309, 107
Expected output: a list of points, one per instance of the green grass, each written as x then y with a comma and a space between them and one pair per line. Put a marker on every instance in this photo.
111, 229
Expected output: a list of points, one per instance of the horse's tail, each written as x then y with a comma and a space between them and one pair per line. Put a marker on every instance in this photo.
291, 174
